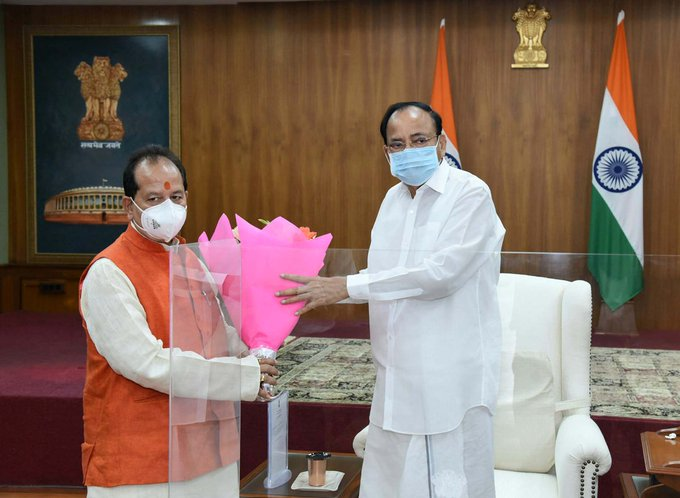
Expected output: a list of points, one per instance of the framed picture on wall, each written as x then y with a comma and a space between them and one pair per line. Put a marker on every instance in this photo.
94, 95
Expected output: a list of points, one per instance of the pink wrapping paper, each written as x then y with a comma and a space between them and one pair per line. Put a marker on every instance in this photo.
222, 255
279, 247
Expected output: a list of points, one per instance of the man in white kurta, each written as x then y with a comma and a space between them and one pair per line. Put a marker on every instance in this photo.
433, 266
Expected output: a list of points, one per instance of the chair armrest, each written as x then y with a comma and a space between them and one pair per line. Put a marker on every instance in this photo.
359, 443
581, 455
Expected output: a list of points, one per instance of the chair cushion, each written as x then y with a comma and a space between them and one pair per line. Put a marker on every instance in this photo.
524, 485
531, 317
524, 422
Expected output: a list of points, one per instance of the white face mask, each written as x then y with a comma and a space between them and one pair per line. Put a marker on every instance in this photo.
164, 221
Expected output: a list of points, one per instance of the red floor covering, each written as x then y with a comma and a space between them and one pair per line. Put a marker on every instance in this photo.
42, 373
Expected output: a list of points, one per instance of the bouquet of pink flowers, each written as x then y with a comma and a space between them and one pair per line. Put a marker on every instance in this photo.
280, 247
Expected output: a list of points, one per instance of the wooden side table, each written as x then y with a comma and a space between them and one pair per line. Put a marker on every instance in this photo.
634, 484
252, 486
662, 462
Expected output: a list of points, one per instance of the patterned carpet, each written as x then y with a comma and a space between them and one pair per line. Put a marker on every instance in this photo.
327, 370
639, 383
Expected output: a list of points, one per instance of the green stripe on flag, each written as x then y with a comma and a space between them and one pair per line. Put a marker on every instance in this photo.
611, 258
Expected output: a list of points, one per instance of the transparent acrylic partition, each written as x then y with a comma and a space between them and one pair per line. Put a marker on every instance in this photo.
326, 364
205, 391
654, 308
328, 371
340, 335
619, 277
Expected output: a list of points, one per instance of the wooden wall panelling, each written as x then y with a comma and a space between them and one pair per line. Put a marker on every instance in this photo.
281, 103
298, 139
39, 288
14, 20
10, 296
49, 295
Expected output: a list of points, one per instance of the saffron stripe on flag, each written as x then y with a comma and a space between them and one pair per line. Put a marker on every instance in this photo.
618, 82
442, 101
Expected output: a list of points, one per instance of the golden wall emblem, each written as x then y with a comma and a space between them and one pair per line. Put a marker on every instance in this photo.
100, 89
530, 24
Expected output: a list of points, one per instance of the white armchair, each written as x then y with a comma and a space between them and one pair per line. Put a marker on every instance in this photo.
546, 444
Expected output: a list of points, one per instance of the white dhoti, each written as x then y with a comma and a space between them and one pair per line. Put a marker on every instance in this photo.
455, 464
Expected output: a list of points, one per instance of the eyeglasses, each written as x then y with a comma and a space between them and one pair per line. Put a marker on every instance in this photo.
417, 142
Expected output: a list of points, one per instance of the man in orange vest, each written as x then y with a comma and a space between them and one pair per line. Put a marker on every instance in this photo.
126, 310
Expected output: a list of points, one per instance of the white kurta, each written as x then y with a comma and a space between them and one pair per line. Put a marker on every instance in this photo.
433, 267
116, 322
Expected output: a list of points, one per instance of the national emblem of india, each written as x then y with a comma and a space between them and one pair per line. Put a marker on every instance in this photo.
530, 24
100, 88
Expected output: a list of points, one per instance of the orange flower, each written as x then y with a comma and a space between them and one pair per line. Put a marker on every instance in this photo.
305, 230
308, 233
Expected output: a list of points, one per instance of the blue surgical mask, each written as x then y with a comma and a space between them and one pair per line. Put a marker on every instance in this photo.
414, 165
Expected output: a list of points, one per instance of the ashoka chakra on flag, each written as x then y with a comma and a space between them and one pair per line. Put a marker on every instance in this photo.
452, 160
617, 169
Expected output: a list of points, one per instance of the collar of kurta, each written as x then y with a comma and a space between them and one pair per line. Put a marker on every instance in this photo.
437, 181
145, 244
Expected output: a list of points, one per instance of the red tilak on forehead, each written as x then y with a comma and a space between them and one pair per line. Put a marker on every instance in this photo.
167, 185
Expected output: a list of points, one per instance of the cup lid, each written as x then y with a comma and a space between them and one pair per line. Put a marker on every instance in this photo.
318, 455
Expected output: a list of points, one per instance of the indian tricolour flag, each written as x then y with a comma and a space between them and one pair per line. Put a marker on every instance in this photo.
616, 236
441, 99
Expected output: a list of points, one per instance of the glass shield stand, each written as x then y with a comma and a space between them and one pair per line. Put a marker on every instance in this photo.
336, 262
278, 472
205, 385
